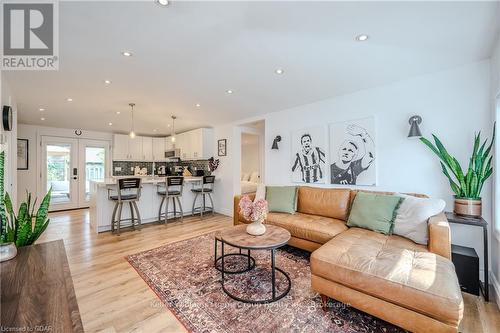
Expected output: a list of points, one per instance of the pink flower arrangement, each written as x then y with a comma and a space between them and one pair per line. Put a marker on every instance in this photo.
253, 211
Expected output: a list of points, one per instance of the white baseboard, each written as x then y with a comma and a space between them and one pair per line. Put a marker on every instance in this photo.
225, 211
496, 286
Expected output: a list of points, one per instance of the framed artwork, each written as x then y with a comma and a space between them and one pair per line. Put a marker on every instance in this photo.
222, 147
352, 152
22, 154
308, 162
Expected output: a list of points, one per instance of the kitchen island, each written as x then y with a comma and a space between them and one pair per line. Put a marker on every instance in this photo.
101, 208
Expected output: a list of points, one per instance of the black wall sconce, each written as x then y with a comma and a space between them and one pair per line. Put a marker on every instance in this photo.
275, 142
414, 129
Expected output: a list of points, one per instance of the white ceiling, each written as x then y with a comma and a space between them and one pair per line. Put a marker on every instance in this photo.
192, 52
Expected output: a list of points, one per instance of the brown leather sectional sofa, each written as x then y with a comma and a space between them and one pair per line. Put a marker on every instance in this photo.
391, 277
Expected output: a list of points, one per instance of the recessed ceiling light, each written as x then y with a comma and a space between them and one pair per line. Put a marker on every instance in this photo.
168, 125
41, 109
229, 91
69, 99
362, 38
198, 105
127, 53
279, 71
42, 118
154, 129
107, 81
118, 112
162, 2
110, 124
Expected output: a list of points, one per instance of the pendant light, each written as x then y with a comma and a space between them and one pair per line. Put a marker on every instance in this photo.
132, 133
172, 137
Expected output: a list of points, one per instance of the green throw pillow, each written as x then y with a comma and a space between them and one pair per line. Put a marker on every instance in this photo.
282, 199
375, 212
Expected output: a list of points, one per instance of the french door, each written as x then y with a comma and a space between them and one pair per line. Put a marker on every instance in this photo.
68, 166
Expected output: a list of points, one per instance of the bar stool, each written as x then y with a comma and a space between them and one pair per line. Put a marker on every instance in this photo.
206, 189
171, 189
132, 194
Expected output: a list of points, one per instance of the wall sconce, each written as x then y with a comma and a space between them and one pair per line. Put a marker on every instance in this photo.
415, 133
275, 142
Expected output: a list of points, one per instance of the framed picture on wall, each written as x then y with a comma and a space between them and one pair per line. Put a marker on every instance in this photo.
222, 147
353, 153
22, 154
308, 162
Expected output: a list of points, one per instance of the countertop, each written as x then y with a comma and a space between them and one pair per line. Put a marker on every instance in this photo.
145, 180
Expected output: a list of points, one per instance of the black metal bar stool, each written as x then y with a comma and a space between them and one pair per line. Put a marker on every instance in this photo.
171, 189
206, 189
129, 190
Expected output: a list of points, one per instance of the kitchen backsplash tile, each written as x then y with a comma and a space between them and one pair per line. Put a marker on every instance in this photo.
128, 166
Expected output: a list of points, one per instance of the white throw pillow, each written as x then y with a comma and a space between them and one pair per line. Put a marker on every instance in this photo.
412, 216
245, 176
260, 193
254, 177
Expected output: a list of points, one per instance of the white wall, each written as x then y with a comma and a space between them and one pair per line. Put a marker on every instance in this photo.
495, 227
29, 179
453, 104
228, 173
10, 145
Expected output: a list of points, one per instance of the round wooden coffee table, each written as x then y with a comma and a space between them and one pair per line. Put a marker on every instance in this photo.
274, 238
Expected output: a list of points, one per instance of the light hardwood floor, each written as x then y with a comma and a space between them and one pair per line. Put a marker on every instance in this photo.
113, 298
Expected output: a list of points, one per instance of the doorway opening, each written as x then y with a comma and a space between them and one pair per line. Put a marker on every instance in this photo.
252, 156
68, 167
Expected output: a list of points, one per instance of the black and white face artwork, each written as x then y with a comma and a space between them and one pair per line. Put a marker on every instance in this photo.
308, 155
352, 148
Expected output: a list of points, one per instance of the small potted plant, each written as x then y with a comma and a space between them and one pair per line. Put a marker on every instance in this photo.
256, 212
466, 186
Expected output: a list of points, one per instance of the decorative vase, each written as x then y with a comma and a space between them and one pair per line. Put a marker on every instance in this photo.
7, 251
468, 207
256, 228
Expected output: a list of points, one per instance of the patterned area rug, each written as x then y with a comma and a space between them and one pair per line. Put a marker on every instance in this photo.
183, 276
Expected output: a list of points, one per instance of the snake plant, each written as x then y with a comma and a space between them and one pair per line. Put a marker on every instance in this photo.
470, 184
25, 228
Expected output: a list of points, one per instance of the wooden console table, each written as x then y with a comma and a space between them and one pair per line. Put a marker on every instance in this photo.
476, 222
37, 291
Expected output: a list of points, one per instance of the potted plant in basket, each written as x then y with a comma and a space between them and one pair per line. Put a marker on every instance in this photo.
256, 212
466, 186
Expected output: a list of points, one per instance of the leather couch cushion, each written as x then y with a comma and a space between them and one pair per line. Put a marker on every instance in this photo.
329, 202
314, 228
394, 269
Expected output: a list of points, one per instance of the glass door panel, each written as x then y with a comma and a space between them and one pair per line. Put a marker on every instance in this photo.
93, 166
59, 171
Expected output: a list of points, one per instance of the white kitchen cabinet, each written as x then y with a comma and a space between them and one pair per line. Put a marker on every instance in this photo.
194, 145
120, 147
168, 143
159, 149
135, 149
126, 148
147, 148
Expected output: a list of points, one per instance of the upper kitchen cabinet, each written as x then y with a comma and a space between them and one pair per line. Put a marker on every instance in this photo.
126, 148
159, 148
147, 148
196, 144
